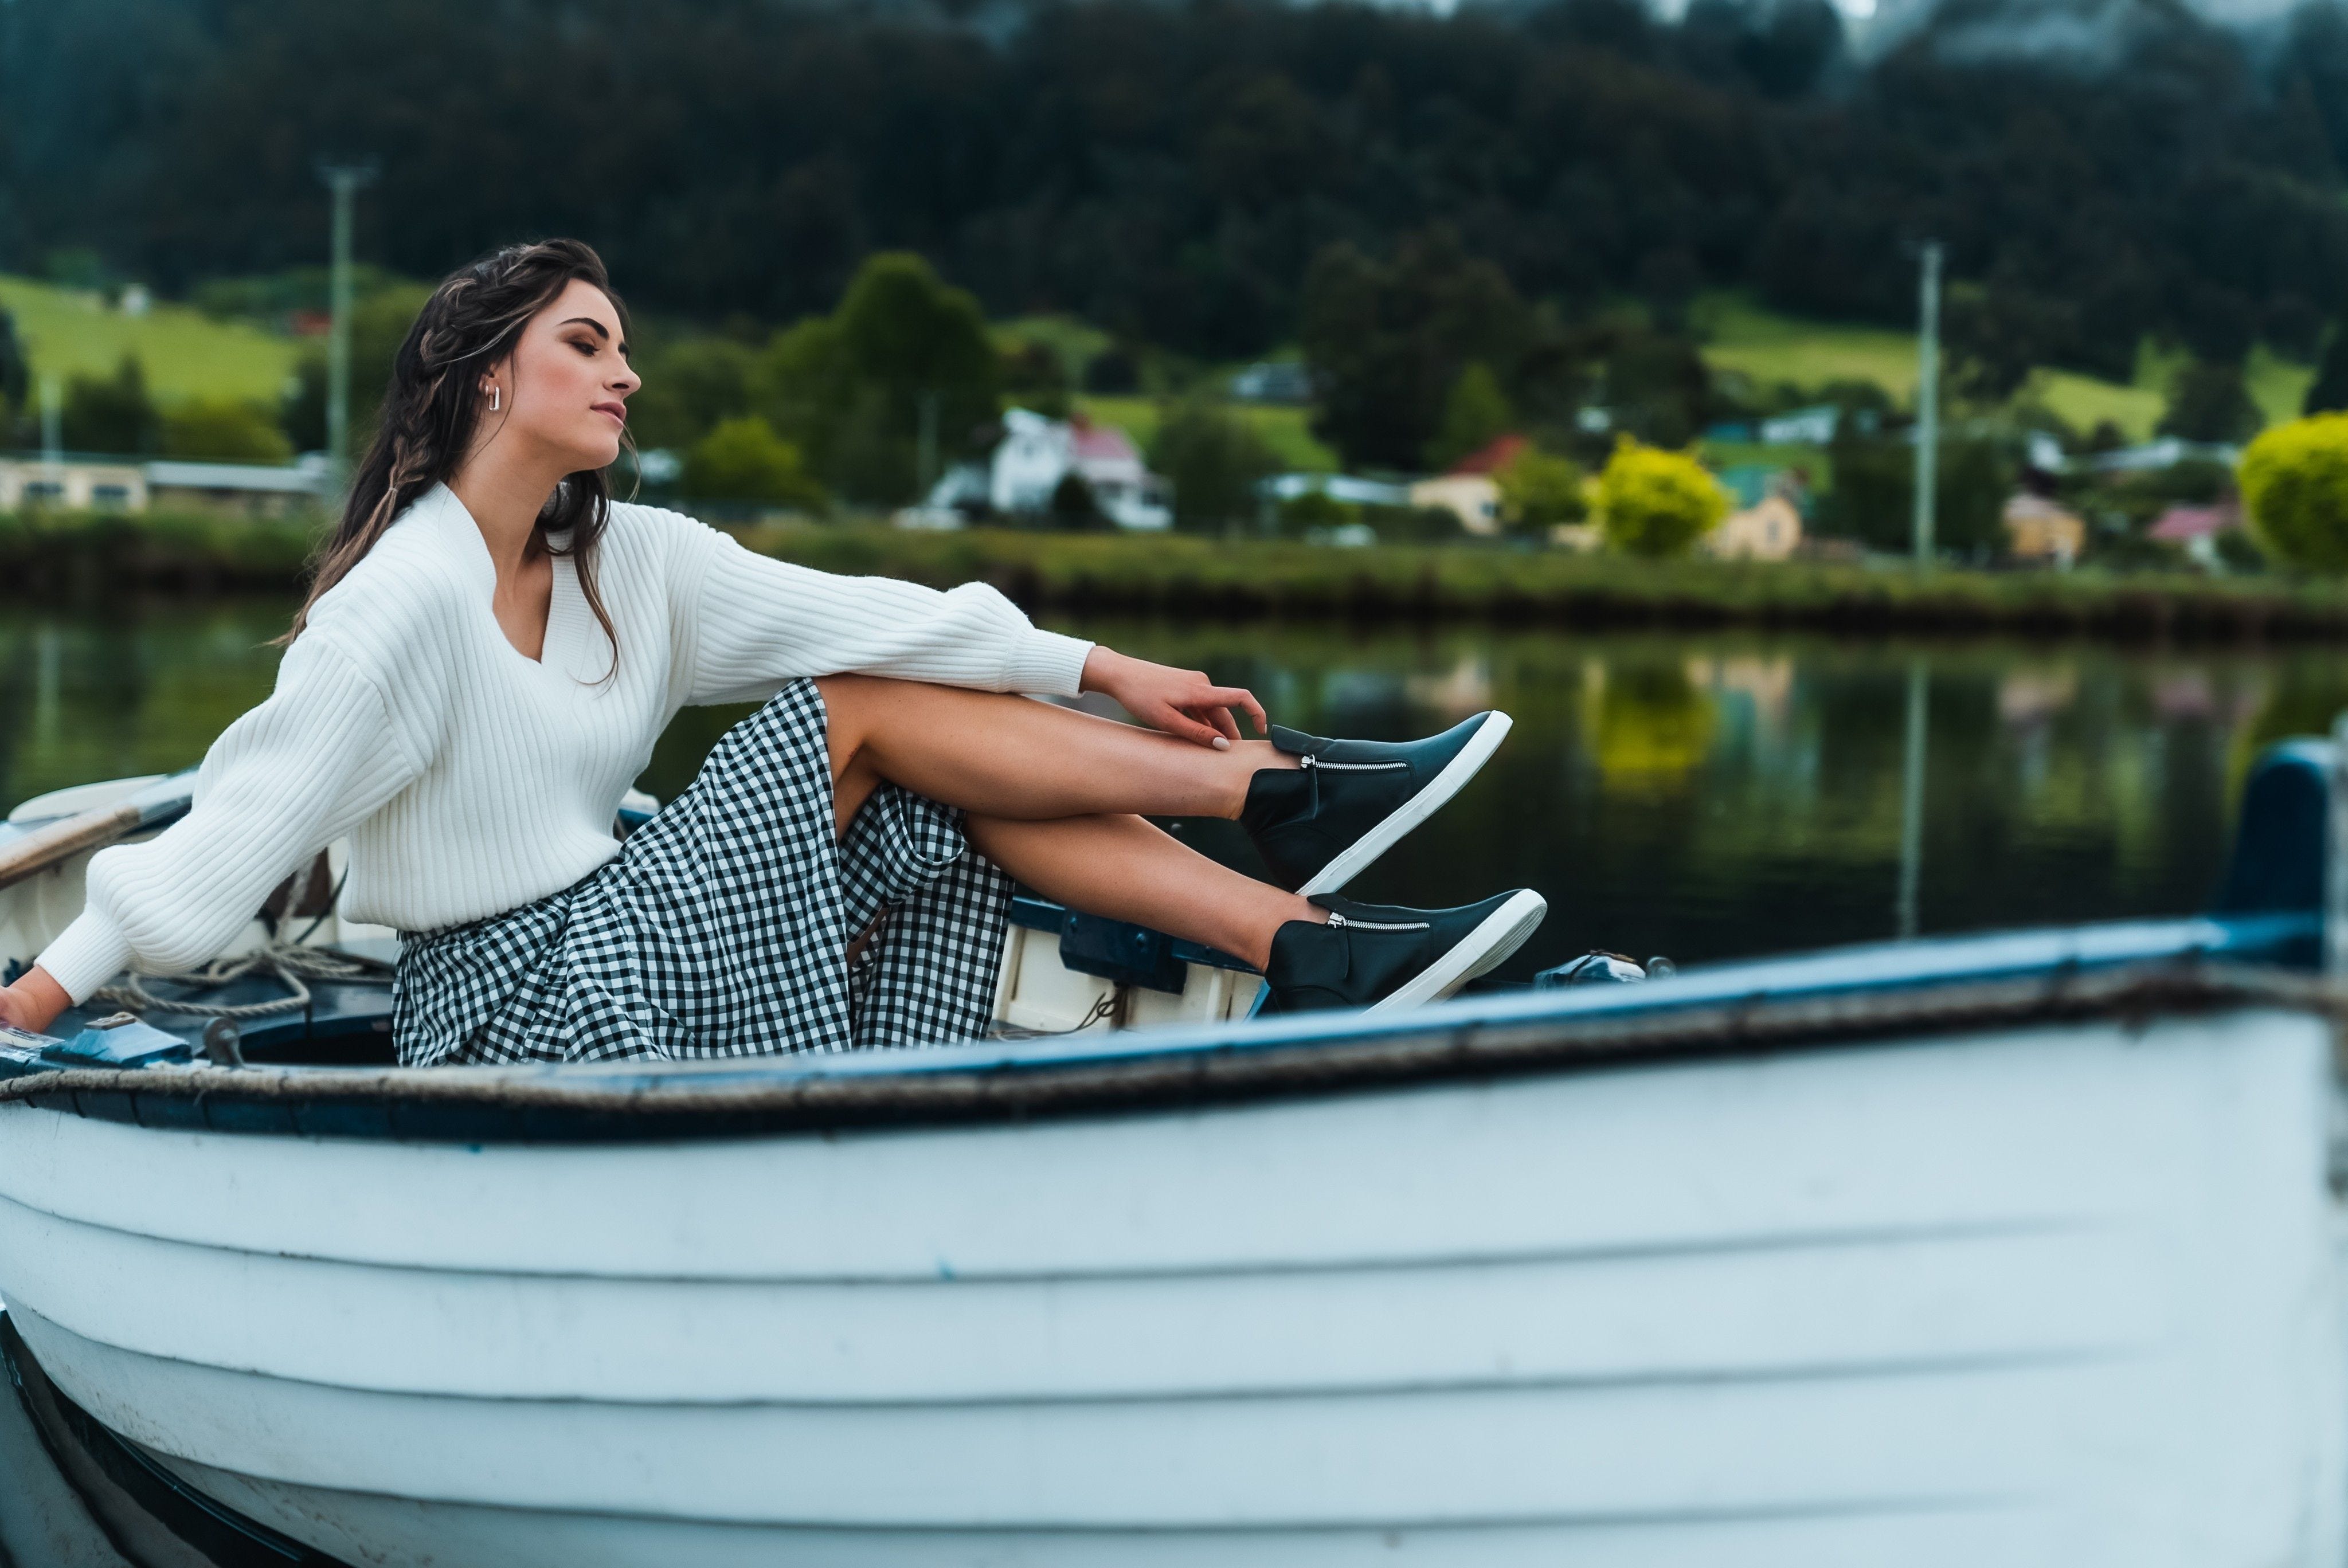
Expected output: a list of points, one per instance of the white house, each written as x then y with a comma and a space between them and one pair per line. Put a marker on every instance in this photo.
1019, 477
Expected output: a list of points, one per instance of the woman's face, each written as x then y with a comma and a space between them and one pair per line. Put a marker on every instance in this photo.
564, 389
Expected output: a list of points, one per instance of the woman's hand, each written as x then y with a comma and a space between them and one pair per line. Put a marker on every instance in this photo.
1181, 702
33, 1003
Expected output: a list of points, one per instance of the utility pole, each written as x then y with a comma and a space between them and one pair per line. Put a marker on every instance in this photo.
343, 179
53, 427
1928, 403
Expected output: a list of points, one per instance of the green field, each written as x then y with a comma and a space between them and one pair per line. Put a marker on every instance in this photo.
1287, 431
66, 332
1768, 348
1739, 336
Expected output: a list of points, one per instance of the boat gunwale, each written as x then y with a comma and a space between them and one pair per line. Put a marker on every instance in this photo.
785, 1096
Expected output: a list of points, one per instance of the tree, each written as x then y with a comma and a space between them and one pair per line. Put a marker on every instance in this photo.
1540, 492
1074, 506
379, 323
1214, 459
1476, 413
690, 387
2328, 392
1656, 503
224, 429
113, 414
854, 388
16, 369
744, 460
2295, 490
2209, 402
1387, 340
1873, 499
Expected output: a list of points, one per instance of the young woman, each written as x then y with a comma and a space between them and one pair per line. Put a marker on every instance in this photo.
492, 645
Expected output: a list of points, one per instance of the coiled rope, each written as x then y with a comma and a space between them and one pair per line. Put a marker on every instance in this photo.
289, 962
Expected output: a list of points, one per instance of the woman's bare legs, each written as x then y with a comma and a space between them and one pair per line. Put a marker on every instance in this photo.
1017, 758
1126, 869
1056, 798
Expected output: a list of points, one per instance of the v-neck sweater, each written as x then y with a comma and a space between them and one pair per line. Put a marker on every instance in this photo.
471, 779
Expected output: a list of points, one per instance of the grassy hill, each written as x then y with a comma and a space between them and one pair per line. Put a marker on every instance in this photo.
186, 352
1740, 336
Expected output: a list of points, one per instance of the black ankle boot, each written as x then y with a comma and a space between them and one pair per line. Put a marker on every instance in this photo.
1320, 824
1381, 957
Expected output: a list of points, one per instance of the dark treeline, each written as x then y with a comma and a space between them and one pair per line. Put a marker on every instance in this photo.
1171, 171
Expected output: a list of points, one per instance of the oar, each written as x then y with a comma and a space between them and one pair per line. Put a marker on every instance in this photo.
54, 843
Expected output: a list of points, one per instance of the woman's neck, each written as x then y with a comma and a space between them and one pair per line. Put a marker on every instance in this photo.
505, 499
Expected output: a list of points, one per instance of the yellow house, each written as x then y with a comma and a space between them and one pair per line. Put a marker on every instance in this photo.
1771, 531
2043, 531
1473, 498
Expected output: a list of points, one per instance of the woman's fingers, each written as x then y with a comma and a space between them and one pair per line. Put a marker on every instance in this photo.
1240, 697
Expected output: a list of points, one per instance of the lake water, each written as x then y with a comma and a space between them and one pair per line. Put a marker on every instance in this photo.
1702, 796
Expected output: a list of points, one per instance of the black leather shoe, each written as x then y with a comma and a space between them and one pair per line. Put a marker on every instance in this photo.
1320, 824
1381, 956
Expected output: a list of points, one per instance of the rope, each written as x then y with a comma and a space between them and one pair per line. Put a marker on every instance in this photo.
1100, 1010
288, 961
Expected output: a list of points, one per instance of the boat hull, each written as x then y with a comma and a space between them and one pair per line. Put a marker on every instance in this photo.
2058, 1294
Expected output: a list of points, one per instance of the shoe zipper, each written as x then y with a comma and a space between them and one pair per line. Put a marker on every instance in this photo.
1343, 923
1309, 761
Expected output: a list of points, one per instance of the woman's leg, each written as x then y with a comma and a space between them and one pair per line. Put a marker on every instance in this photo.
1055, 797
1126, 869
1021, 759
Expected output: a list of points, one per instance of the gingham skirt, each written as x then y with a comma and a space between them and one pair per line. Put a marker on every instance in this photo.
722, 927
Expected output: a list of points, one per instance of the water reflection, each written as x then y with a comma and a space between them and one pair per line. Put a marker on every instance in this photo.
1701, 796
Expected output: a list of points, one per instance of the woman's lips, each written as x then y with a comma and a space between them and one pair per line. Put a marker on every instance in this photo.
614, 410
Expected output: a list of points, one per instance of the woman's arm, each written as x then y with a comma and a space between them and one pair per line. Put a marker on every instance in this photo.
34, 1001
301, 769
751, 623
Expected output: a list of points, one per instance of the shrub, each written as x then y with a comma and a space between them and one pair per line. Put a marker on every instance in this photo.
744, 460
225, 430
1539, 491
1656, 503
1214, 458
2295, 489
1313, 509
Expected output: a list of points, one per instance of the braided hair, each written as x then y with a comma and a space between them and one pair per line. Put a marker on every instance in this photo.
429, 413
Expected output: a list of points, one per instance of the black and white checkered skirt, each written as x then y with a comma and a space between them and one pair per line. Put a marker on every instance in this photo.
722, 927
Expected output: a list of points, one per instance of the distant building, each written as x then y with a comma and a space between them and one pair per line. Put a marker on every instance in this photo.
82, 483
1336, 486
72, 482
2195, 530
2166, 453
1770, 530
255, 490
1274, 381
1028, 465
1470, 490
2043, 532
1813, 427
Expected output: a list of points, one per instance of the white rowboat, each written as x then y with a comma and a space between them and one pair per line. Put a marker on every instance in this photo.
2021, 1249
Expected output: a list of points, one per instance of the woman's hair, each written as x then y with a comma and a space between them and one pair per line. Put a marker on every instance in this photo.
471, 322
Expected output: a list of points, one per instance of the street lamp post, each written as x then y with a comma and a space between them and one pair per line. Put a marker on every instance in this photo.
343, 179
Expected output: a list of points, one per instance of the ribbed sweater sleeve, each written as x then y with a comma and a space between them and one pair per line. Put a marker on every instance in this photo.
757, 623
299, 770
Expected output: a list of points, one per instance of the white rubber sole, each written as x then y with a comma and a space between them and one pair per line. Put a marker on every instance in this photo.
1362, 851
1481, 951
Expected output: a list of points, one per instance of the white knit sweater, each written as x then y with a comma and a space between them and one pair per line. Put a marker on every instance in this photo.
472, 780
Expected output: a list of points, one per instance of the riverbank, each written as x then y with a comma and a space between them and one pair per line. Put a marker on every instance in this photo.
1178, 575
184, 555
